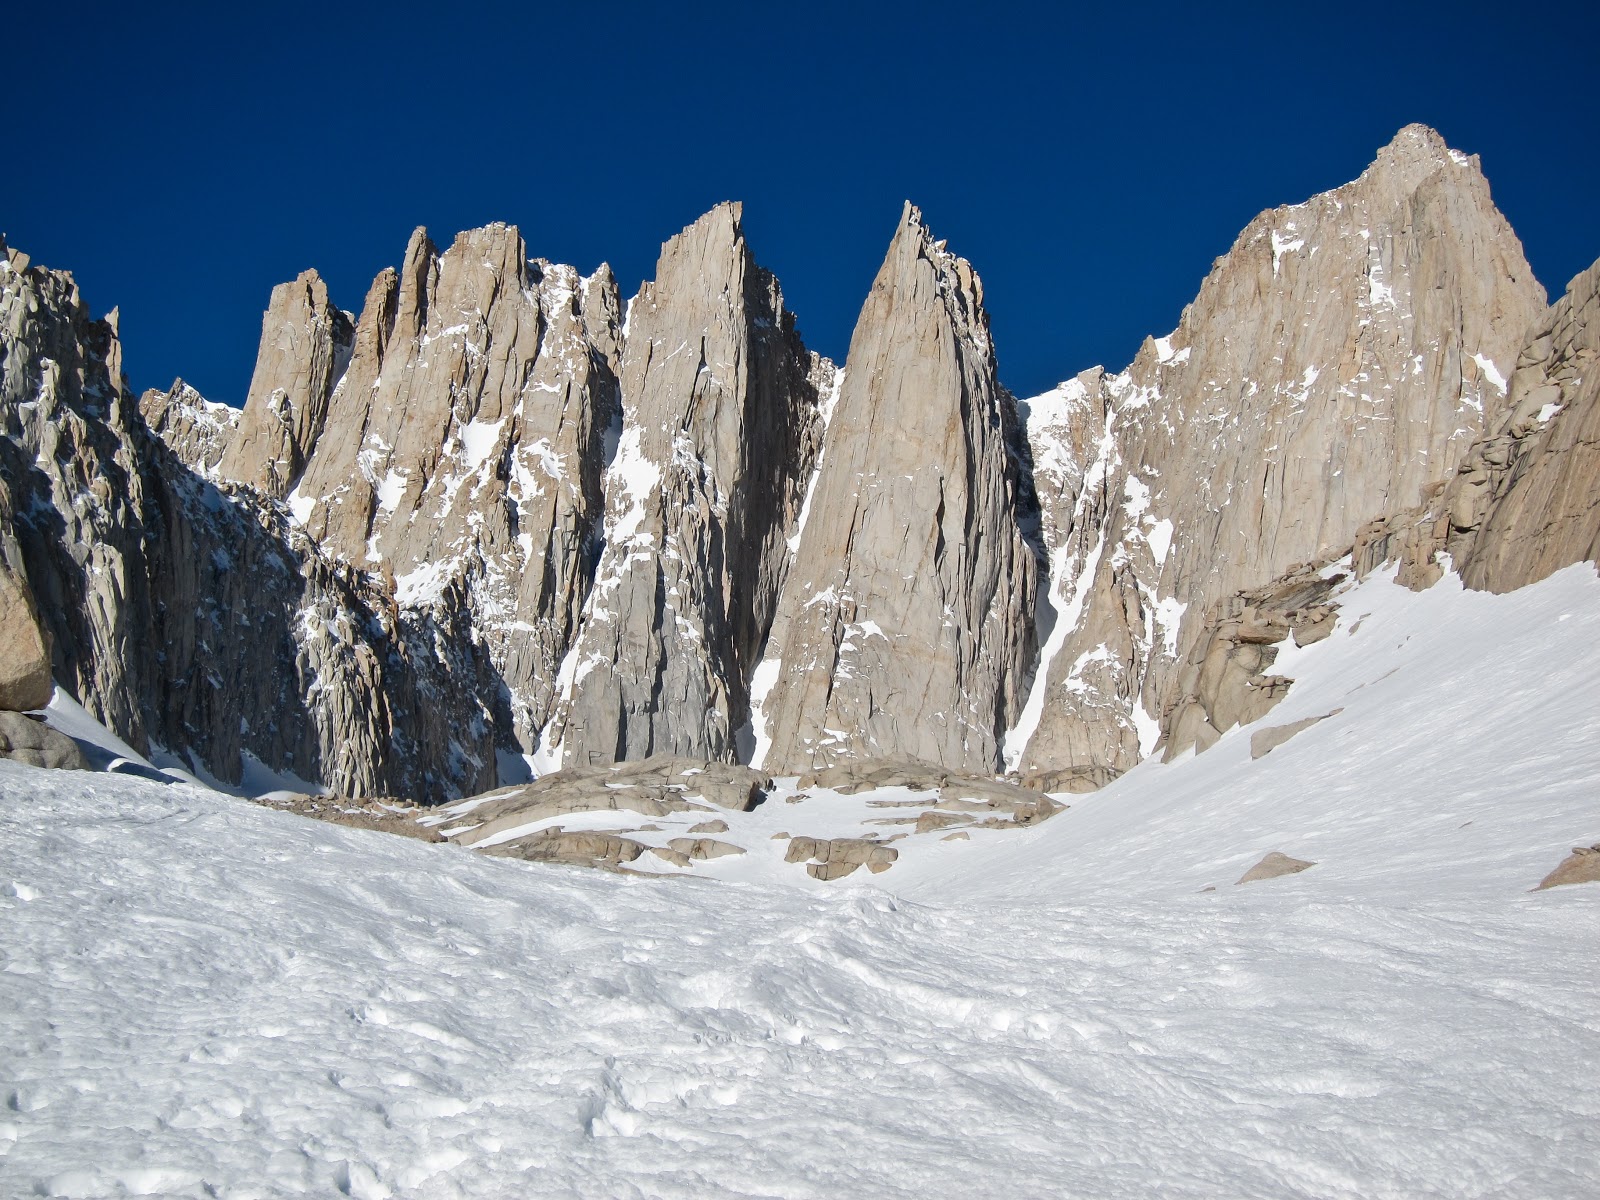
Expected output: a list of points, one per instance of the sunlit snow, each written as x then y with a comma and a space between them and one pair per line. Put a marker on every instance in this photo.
201, 997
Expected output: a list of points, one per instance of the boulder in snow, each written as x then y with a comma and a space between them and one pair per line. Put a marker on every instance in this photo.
24, 652
1274, 865
24, 740
1581, 866
1264, 741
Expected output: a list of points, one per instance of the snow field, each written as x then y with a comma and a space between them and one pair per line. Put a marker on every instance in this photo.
202, 997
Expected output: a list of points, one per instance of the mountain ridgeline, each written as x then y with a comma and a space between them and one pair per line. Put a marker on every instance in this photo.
502, 516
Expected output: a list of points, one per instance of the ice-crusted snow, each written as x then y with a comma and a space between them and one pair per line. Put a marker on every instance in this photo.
829, 402
301, 505
478, 442
200, 997
759, 744
1167, 613
1380, 294
1046, 419
1067, 595
1284, 244
1159, 535
390, 490
1136, 493
426, 584
1490, 371
637, 477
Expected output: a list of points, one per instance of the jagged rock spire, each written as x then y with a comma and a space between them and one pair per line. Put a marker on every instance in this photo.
719, 431
305, 346
906, 627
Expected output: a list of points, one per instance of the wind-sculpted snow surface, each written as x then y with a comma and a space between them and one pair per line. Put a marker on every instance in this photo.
205, 998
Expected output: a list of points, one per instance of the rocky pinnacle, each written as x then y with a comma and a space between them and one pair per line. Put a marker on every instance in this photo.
906, 625
719, 431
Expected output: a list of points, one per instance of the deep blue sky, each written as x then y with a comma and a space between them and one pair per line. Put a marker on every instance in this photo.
1091, 164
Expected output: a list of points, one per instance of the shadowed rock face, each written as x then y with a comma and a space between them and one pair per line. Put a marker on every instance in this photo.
196, 618
1336, 363
719, 431
25, 740
906, 624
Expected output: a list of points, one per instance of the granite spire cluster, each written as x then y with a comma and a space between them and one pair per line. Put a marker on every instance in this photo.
500, 520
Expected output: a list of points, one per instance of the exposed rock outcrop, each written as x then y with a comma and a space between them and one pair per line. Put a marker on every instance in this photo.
906, 623
197, 430
577, 848
305, 347
1264, 741
955, 799
386, 814
24, 648
1524, 502
24, 740
1581, 866
520, 821
1336, 363
193, 617
1274, 866
1225, 682
834, 858
1079, 780
719, 431
461, 451
651, 787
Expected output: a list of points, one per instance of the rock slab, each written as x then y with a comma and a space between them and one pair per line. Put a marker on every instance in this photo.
1581, 866
24, 648
24, 740
1273, 866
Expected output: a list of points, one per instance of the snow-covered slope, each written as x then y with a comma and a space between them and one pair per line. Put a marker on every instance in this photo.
201, 997
1464, 758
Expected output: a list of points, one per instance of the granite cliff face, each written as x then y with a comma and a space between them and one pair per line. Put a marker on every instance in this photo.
1337, 362
1523, 503
192, 619
489, 517
720, 428
305, 345
197, 430
459, 453
1525, 500
906, 624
